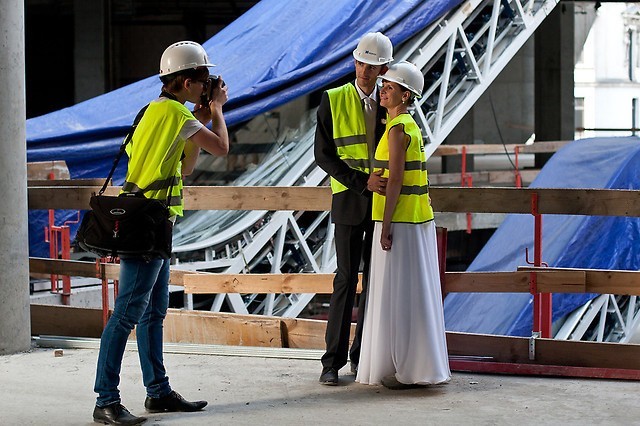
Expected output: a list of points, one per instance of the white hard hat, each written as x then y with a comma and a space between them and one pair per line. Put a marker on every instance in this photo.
405, 74
374, 49
183, 55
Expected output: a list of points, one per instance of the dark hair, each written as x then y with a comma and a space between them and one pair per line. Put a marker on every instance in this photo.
173, 82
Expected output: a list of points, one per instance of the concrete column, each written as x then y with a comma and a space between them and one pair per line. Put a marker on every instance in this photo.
15, 326
554, 84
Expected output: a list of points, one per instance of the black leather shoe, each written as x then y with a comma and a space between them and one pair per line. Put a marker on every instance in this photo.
116, 414
329, 377
172, 402
354, 368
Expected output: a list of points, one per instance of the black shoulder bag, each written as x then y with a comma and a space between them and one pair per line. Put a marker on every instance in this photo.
129, 225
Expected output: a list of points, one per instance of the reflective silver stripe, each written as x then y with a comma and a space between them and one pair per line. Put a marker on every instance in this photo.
351, 140
357, 164
176, 200
414, 190
380, 164
153, 186
409, 165
130, 187
415, 165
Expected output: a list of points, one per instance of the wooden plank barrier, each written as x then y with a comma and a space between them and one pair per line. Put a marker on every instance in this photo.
535, 148
65, 182
201, 327
78, 268
595, 280
261, 283
550, 280
491, 177
600, 202
258, 330
41, 170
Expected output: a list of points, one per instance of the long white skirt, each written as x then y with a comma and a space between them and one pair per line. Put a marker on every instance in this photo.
403, 330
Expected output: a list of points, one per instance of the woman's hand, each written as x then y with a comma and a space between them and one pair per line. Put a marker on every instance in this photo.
385, 238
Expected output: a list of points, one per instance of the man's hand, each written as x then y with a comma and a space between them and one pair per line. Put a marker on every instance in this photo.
377, 183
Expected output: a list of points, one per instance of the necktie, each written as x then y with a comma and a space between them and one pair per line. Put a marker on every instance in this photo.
370, 124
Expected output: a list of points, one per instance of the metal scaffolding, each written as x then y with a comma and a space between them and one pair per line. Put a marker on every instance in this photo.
460, 55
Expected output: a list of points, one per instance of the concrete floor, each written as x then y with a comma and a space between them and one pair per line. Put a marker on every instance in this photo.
38, 388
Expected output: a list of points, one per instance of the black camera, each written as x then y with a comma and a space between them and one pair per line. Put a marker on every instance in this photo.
212, 81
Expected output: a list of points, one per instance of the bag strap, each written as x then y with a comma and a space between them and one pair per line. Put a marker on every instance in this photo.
123, 147
136, 120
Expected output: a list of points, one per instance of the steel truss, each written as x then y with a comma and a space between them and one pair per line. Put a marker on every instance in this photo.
607, 318
460, 55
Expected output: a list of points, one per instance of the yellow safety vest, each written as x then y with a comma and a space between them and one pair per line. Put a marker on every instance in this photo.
413, 204
349, 132
155, 153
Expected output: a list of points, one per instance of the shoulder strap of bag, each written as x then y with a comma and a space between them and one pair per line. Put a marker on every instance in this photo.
123, 146
164, 94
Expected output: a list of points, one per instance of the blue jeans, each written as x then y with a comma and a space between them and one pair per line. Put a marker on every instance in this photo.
143, 299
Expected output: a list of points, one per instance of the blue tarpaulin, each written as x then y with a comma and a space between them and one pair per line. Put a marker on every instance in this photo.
277, 51
594, 242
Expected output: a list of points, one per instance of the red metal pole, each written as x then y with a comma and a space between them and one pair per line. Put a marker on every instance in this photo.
66, 254
465, 181
105, 292
463, 172
542, 306
537, 325
51, 238
469, 217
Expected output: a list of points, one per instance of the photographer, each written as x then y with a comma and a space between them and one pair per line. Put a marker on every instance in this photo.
164, 146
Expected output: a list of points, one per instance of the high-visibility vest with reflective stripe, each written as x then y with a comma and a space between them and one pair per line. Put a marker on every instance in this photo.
155, 151
413, 204
349, 131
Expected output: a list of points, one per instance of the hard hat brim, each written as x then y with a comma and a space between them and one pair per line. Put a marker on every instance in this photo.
359, 58
401, 83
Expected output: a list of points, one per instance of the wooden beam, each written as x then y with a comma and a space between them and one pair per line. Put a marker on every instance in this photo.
65, 321
42, 169
74, 268
595, 280
491, 177
549, 280
556, 281
261, 283
78, 268
485, 367
602, 202
222, 329
255, 330
257, 198
547, 351
65, 182
486, 282
307, 333
64, 197
536, 147
541, 147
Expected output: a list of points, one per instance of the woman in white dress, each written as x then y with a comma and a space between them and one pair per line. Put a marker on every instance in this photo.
403, 342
